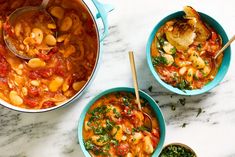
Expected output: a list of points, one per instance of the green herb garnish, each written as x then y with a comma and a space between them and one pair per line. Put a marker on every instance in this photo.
173, 50
159, 60
199, 112
199, 47
89, 145
176, 151
183, 84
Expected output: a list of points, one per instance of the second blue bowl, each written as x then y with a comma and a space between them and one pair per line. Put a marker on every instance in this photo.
143, 95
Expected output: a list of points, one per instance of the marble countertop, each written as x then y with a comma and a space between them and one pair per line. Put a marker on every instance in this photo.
206, 122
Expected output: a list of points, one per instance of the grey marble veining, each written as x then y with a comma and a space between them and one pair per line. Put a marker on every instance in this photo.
205, 122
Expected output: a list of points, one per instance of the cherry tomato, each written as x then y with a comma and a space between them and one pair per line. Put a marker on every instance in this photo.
214, 36
33, 91
7, 29
4, 67
30, 102
46, 73
46, 57
2, 50
60, 70
41, 73
156, 133
122, 149
155, 141
48, 104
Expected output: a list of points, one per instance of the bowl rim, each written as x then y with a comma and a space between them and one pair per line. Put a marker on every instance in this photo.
182, 145
153, 104
86, 85
222, 70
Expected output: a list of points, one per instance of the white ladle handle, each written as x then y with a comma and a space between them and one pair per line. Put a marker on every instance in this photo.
225, 46
44, 3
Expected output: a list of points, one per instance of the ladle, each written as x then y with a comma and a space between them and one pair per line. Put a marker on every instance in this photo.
17, 13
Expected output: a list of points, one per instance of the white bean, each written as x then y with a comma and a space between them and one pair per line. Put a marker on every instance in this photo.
190, 74
182, 71
35, 83
36, 63
57, 12
56, 84
51, 26
15, 98
197, 61
137, 137
38, 35
66, 24
50, 40
206, 70
148, 147
69, 50
78, 85
168, 48
24, 91
169, 59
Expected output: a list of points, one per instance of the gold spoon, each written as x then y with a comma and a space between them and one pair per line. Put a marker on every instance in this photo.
134, 75
18, 12
224, 47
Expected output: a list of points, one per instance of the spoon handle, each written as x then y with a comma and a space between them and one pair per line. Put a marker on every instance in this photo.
225, 46
44, 3
134, 75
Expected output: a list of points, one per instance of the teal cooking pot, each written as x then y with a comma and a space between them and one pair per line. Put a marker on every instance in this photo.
97, 11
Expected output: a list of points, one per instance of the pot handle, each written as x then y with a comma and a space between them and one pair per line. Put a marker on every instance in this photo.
103, 10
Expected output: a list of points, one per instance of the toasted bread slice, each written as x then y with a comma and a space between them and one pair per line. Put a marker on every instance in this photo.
202, 31
182, 35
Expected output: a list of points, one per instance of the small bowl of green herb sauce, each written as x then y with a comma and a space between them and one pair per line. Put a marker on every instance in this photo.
177, 150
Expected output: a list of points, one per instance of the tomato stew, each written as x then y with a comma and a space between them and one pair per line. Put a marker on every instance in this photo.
183, 50
114, 126
50, 78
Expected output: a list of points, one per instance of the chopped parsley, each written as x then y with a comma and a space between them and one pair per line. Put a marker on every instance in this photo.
89, 145
173, 50
99, 130
199, 112
150, 88
104, 138
199, 47
114, 141
159, 60
182, 101
184, 125
176, 151
116, 113
183, 84
141, 128
161, 40
126, 101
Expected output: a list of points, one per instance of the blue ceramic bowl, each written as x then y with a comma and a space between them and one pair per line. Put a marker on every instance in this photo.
143, 95
222, 70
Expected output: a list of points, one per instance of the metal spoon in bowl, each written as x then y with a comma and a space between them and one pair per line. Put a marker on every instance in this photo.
134, 75
18, 12
224, 47
221, 51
